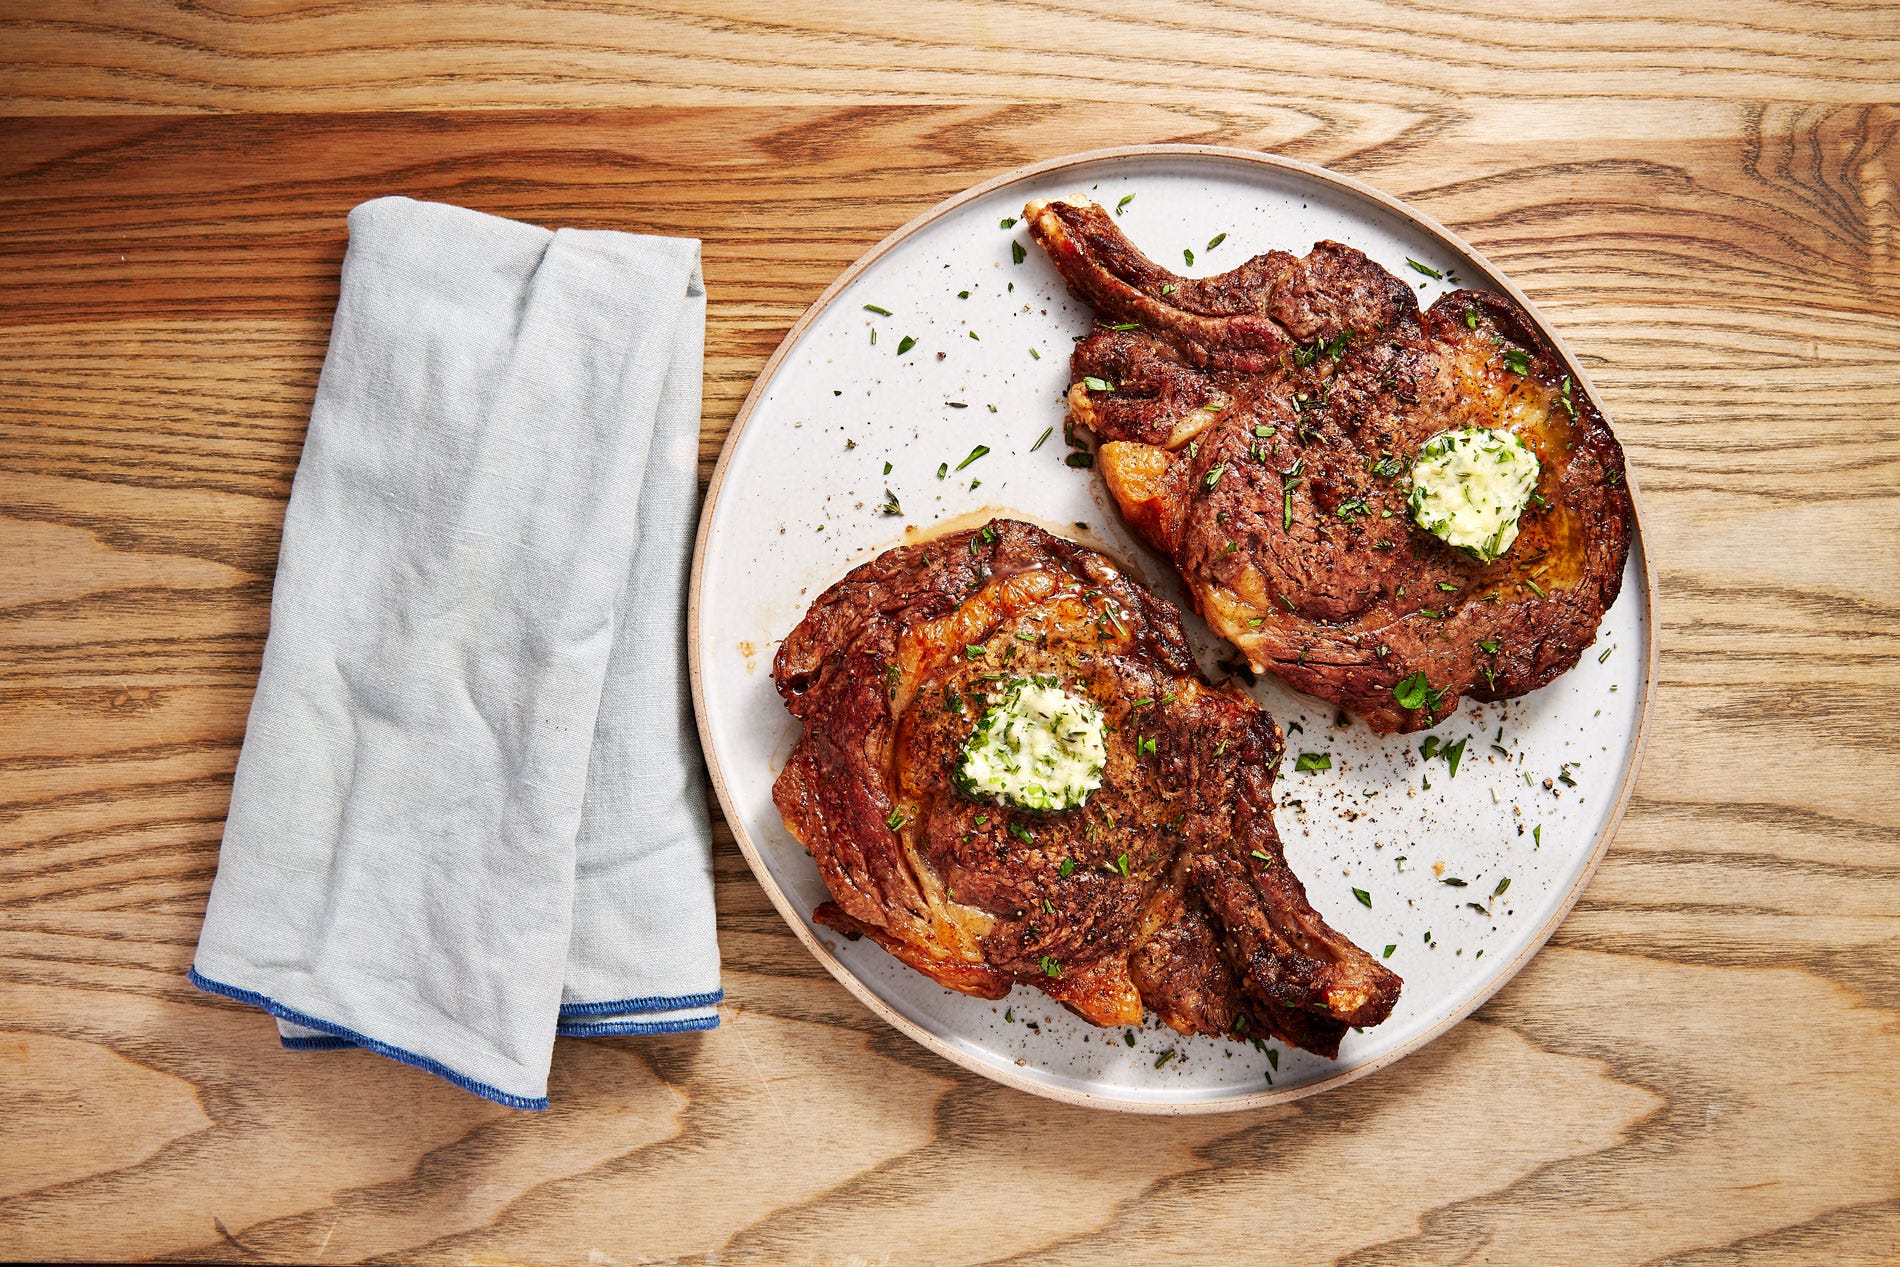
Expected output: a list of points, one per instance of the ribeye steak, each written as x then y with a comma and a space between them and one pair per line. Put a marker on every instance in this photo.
1259, 427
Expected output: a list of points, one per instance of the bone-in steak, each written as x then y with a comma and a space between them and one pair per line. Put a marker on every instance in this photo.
1259, 428
1166, 887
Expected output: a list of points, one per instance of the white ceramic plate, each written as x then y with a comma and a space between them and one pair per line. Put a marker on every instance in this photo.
840, 417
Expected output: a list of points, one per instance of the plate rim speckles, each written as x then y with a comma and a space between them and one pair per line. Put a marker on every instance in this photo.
795, 918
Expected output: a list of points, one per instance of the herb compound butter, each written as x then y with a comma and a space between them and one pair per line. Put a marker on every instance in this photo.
1037, 746
1470, 486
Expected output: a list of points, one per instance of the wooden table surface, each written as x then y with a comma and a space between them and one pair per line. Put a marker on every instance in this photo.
1700, 1068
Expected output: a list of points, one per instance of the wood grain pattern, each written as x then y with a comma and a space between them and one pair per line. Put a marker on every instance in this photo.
1698, 1070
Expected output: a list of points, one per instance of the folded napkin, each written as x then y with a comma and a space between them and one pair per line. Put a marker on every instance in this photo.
469, 812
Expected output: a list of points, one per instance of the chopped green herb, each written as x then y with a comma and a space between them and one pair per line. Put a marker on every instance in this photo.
1022, 833
1080, 461
1517, 360
1426, 269
1123, 204
1313, 761
1164, 1057
1121, 864
1128, 1036
1213, 475
905, 344
882, 312
1016, 254
1007, 222
1263, 857
890, 506
1051, 966
1489, 645
975, 453
1047, 431
1535, 588
1415, 691
1188, 256
1453, 754
1503, 884
1097, 384
1067, 868
1365, 898
1216, 240
974, 649
1388, 952
963, 294
896, 819
1453, 881
1537, 836
1471, 318
1605, 655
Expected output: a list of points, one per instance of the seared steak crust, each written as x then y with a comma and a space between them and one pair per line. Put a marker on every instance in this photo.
1097, 906
1259, 426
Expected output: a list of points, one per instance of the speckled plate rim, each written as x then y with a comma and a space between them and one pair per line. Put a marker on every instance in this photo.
795, 920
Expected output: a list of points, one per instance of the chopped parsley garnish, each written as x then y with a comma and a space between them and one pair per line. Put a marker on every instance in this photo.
975, 453
1453, 754
1388, 952
974, 649
1080, 460
1216, 240
1067, 868
1415, 691
1016, 254
1121, 864
1365, 898
1022, 833
1213, 475
1518, 361
905, 344
963, 294
1188, 255
943, 470
1313, 761
1007, 222
1489, 645
1471, 318
1051, 966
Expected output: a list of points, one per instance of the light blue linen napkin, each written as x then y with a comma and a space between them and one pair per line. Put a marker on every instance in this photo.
469, 812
